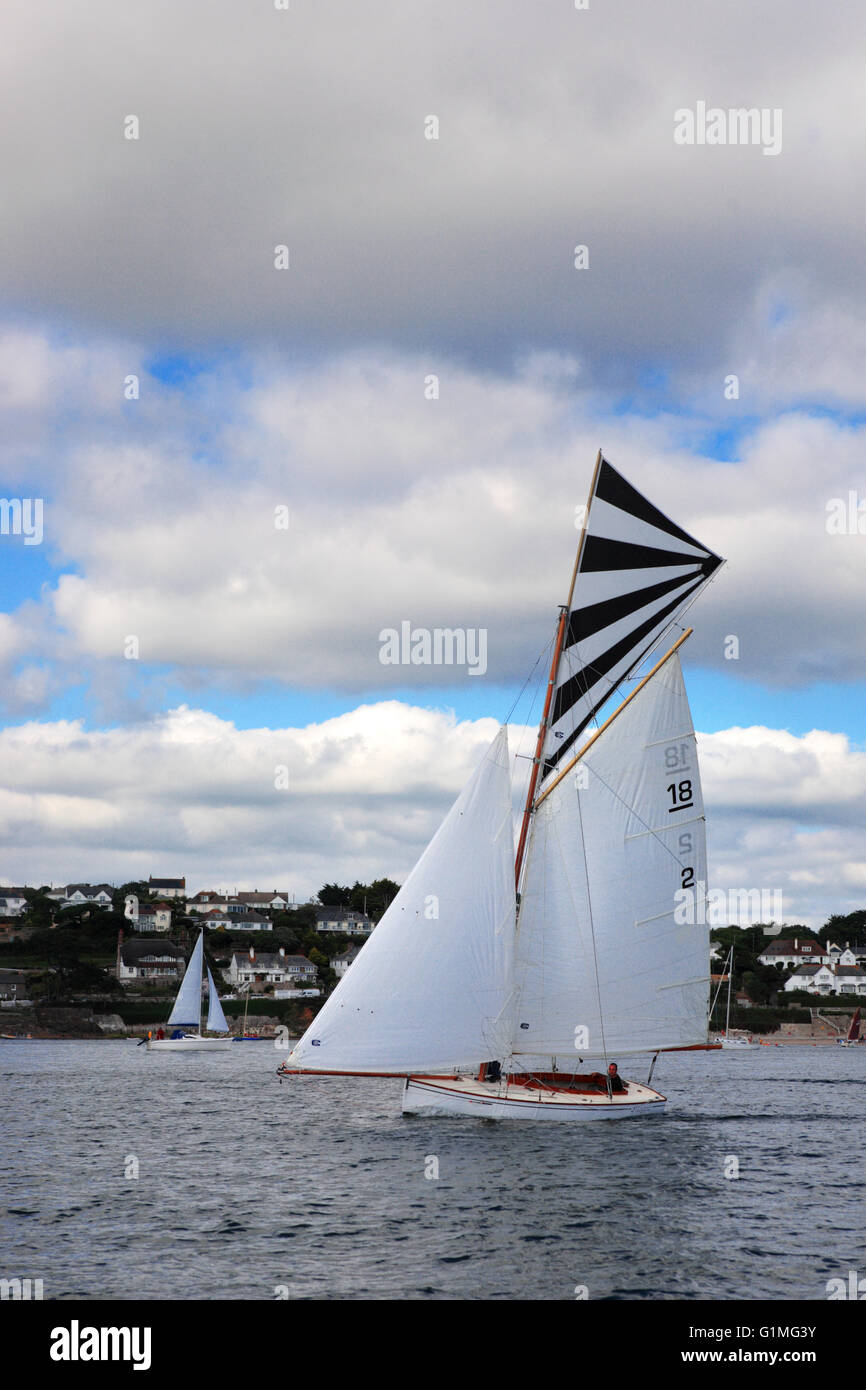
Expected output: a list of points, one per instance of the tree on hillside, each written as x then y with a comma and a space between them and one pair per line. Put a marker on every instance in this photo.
851, 927
41, 910
335, 895
374, 897
139, 888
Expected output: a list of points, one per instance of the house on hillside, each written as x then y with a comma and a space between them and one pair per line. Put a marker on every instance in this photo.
154, 917
167, 887
205, 901
13, 987
236, 921
847, 955
791, 954
148, 962
828, 979
12, 902
265, 902
77, 894
250, 968
342, 920
340, 964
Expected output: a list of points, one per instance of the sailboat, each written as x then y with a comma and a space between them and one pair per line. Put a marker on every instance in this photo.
507, 990
729, 1041
187, 1012
852, 1037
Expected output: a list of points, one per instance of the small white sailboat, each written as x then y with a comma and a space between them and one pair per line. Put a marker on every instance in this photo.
498, 1004
187, 1012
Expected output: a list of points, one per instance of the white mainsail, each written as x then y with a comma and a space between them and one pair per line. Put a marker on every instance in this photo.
602, 965
187, 1006
216, 1019
431, 988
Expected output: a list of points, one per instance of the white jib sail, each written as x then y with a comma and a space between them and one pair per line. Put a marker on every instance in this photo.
612, 950
216, 1019
430, 990
187, 1006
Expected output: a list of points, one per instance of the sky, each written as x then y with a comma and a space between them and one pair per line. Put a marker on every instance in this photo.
295, 348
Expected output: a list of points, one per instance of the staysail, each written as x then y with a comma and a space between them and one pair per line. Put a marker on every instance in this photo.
636, 573
612, 946
431, 988
216, 1019
187, 1006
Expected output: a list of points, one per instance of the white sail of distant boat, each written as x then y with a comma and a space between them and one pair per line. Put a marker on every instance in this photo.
489, 1002
187, 1011
733, 1042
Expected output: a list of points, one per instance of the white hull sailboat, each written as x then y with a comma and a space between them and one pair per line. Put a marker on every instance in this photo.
187, 1012
530, 1100
507, 991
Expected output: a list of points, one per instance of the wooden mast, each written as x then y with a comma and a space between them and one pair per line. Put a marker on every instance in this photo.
551, 683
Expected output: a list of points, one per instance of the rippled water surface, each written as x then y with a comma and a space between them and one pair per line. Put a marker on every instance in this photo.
319, 1184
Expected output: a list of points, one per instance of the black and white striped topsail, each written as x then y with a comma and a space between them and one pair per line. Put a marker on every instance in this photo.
637, 573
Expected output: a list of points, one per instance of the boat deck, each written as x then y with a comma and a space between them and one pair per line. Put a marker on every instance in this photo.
536, 1093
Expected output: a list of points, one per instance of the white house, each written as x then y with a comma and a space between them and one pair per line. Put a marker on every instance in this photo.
236, 921
205, 901
12, 902
340, 964
147, 916
793, 953
828, 979
239, 902
77, 893
343, 920
272, 968
265, 902
849, 955
850, 979
158, 962
167, 887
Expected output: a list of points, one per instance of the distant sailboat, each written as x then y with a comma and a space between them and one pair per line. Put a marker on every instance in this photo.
488, 1001
729, 1041
853, 1034
187, 1012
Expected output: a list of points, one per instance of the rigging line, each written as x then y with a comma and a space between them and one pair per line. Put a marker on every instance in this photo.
520, 693
592, 932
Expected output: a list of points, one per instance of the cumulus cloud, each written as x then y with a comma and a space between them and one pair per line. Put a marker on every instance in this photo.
189, 793
786, 813
163, 521
306, 127
184, 792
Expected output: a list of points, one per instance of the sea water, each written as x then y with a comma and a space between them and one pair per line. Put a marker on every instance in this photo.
135, 1175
